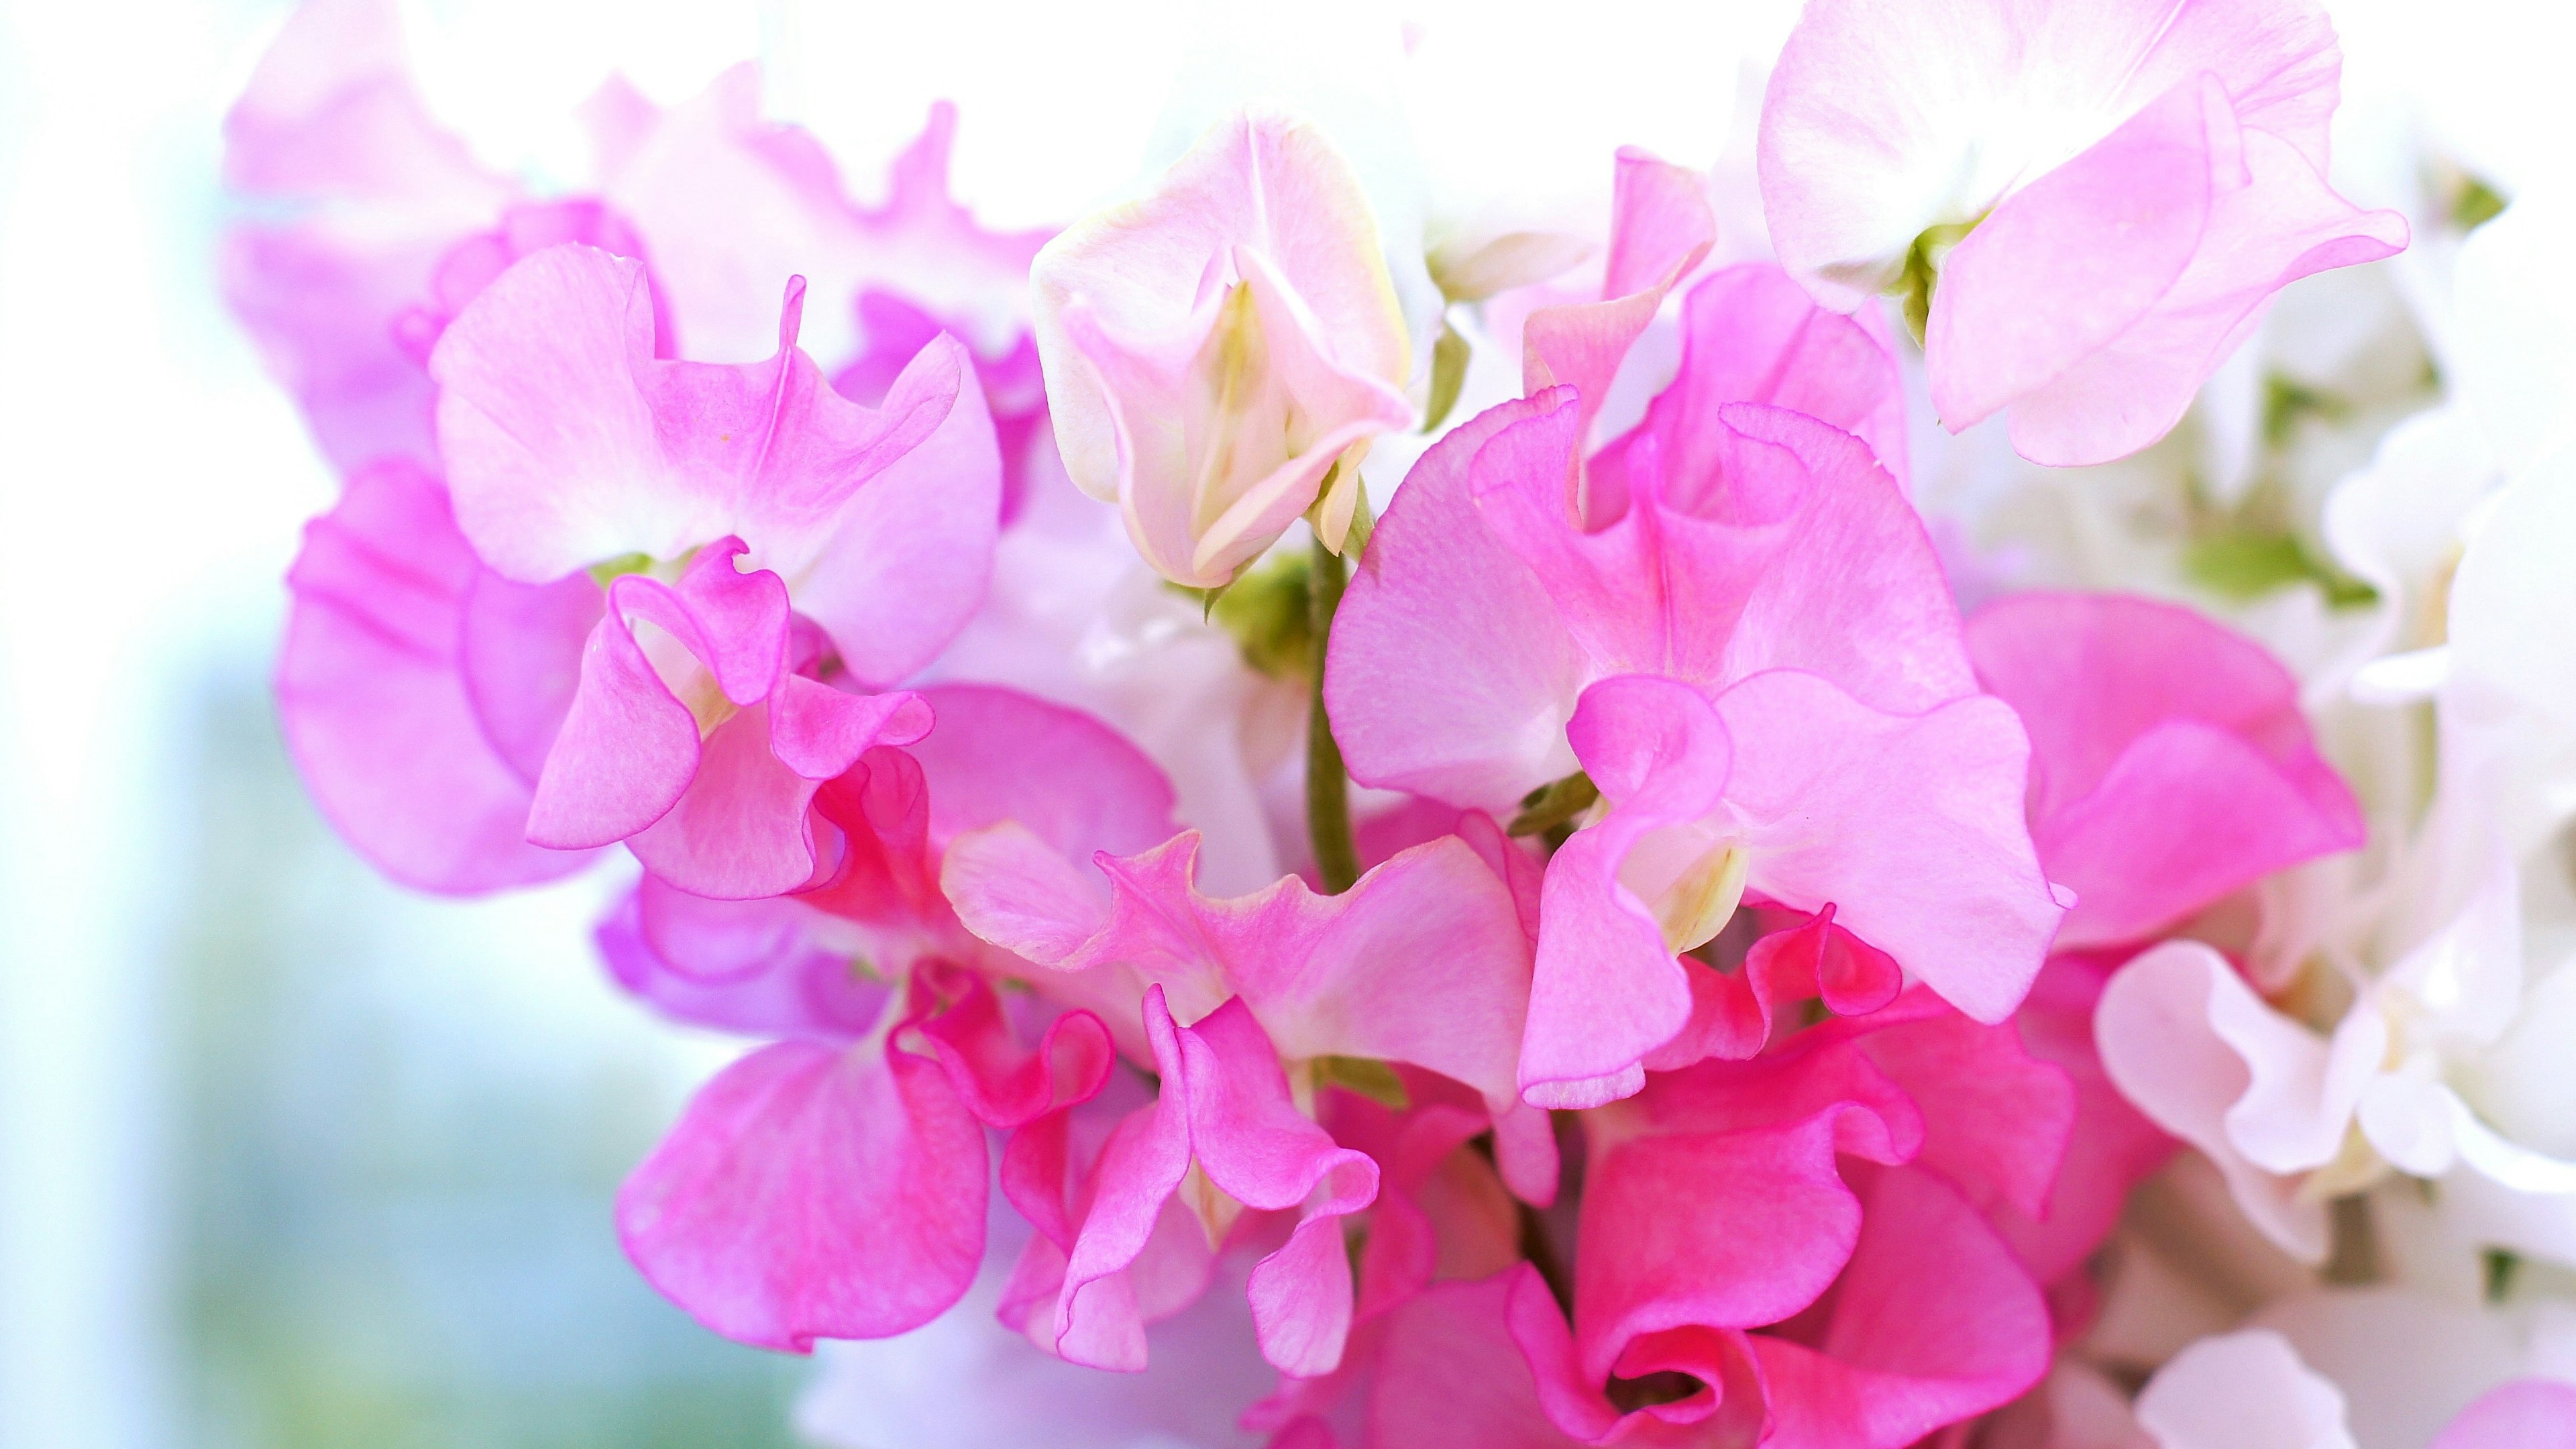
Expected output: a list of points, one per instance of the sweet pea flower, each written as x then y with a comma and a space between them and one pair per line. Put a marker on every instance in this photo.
1216, 351
833, 1183
1492, 643
2086, 207
1240, 1005
1833, 1193
703, 735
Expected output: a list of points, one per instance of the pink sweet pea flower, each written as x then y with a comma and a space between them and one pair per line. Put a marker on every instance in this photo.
1238, 1003
1214, 350
2109, 194
1834, 1193
1757, 663
570, 445
833, 1184
2170, 762
2525, 1414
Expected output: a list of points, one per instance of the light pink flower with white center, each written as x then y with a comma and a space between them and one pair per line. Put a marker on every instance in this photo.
1213, 350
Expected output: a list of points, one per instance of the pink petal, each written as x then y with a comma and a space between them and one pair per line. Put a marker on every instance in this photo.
1661, 226
809, 1193
1458, 1333
753, 967
1751, 334
629, 747
1002, 1083
570, 444
1883, 119
1996, 1119
2172, 762
1450, 674
1422, 961
1607, 990
1065, 777
2096, 300
1932, 1322
1732, 1011
374, 685
1907, 824
2527, 1414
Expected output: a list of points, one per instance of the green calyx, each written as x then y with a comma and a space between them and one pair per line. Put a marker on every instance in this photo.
1923, 272
1366, 1077
1554, 805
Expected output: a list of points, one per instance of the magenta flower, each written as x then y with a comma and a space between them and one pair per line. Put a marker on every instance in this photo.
1240, 1004
569, 445
833, 1184
1750, 652
2100, 200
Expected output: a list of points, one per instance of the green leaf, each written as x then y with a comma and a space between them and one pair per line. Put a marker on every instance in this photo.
1366, 1077
1554, 804
1448, 376
2244, 565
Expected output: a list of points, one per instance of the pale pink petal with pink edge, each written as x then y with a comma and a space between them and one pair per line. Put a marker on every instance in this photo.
570, 444
813, 1192
1909, 825
375, 688
1883, 119
1450, 674
2526, 1414
2239, 1391
1661, 226
2190, 223
1212, 349
1932, 1323
2171, 762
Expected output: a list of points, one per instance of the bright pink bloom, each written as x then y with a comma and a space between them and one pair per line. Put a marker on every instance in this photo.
1756, 661
2527, 1414
1213, 350
2134, 181
419, 691
569, 444
1424, 961
2171, 763
833, 1184
1731, 1197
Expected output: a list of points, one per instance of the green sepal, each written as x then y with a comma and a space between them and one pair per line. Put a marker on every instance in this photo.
1366, 1077
1448, 376
1553, 804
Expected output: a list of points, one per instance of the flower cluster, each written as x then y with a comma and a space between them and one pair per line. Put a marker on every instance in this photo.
1425, 852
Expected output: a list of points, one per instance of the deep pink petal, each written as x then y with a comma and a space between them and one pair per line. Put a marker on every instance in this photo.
374, 686
1454, 1334
2171, 763
1932, 1322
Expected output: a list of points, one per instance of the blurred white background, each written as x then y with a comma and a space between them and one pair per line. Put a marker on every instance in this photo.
287, 1155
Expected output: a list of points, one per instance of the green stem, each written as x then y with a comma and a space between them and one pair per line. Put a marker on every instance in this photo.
1328, 788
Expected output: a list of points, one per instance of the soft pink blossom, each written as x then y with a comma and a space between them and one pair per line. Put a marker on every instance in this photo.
1757, 663
2134, 181
1215, 349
